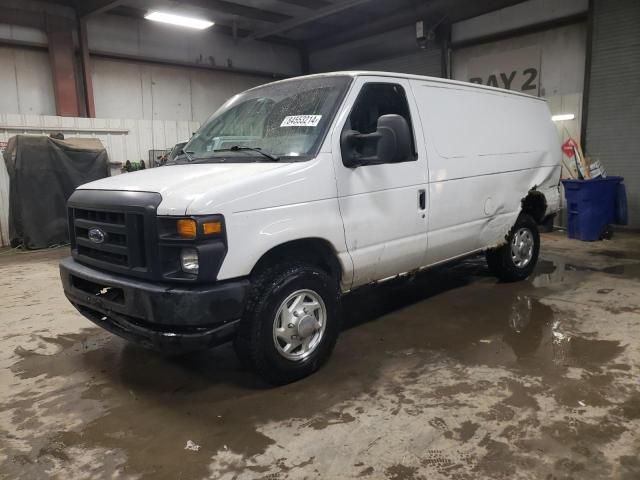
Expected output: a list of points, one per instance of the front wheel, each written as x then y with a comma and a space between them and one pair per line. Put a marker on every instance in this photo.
516, 259
291, 322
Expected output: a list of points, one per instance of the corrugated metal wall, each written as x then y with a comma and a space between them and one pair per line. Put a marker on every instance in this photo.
613, 108
4, 204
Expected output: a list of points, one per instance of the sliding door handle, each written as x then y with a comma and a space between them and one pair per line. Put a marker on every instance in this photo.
422, 199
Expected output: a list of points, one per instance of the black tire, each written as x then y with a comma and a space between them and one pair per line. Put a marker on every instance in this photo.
254, 343
500, 260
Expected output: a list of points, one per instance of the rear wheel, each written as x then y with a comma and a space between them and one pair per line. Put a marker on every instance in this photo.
516, 259
291, 322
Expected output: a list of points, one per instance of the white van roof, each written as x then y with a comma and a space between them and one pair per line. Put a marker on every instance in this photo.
408, 76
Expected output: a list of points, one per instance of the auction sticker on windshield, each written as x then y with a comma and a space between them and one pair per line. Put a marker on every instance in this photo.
301, 121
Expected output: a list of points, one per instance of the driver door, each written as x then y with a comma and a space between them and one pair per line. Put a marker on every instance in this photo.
383, 206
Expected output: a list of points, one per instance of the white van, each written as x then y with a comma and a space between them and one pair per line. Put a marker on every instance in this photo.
296, 192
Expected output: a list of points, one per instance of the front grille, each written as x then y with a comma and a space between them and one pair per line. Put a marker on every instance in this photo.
113, 230
119, 246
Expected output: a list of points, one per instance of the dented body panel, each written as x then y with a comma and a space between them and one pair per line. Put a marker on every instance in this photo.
487, 150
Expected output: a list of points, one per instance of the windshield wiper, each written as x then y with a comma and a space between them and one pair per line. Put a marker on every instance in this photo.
238, 148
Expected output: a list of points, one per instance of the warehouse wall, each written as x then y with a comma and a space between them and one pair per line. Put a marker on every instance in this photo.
521, 15
126, 89
395, 51
142, 70
25, 82
122, 89
118, 35
613, 107
124, 139
549, 64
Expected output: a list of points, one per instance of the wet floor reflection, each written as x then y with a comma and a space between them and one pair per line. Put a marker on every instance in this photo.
457, 313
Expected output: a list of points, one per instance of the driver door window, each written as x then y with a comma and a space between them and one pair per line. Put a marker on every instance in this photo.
374, 101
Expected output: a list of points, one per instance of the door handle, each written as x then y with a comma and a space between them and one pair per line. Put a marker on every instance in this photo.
422, 199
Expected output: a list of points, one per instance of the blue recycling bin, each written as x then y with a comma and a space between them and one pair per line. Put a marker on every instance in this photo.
594, 204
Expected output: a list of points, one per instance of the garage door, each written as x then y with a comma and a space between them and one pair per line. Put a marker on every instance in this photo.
613, 115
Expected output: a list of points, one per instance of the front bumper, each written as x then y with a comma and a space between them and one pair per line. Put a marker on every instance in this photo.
156, 315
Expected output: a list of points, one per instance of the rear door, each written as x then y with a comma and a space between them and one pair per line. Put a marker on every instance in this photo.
383, 206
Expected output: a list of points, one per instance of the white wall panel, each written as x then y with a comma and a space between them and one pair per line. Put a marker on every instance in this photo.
209, 90
118, 89
124, 139
26, 82
170, 93
23, 34
126, 89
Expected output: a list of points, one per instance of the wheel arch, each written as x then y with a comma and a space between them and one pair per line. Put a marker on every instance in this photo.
534, 204
314, 250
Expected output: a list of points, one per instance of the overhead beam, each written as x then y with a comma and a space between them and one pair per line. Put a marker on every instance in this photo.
94, 7
222, 6
304, 19
312, 4
453, 10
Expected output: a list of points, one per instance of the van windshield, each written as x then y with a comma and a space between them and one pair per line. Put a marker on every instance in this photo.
284, 121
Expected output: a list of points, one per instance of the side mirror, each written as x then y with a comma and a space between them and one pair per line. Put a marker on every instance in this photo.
390, 143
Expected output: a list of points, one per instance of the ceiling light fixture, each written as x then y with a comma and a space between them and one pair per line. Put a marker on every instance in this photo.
180, 20
562, 117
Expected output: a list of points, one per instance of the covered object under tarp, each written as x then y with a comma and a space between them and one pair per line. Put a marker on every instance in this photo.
43, 172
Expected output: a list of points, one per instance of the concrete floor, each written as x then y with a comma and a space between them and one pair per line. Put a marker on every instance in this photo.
451, 375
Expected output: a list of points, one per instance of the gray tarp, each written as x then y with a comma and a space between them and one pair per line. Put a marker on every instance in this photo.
43, 173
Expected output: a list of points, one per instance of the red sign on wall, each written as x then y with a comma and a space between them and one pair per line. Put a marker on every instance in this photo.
568, 147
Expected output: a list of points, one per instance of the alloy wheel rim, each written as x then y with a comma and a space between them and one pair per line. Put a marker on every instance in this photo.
299, 325
522, 245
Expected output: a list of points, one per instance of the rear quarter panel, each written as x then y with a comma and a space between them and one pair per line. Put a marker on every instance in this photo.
487, 149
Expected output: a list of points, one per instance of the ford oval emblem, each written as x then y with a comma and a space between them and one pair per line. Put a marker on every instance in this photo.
97, 235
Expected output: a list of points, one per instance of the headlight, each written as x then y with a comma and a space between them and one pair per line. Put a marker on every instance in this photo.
189, 260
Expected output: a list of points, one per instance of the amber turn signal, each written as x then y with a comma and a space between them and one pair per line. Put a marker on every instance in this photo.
211, 228
187, 228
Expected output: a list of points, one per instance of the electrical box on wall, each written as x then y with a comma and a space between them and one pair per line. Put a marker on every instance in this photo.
424, 36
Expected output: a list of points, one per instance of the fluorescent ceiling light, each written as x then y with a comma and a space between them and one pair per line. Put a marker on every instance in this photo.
562, 117
189, 22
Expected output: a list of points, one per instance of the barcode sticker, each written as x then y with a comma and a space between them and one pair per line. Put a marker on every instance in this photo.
301, 121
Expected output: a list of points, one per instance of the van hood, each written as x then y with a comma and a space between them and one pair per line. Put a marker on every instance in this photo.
180, 185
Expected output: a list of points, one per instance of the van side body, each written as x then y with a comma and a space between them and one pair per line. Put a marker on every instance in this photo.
482, 157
